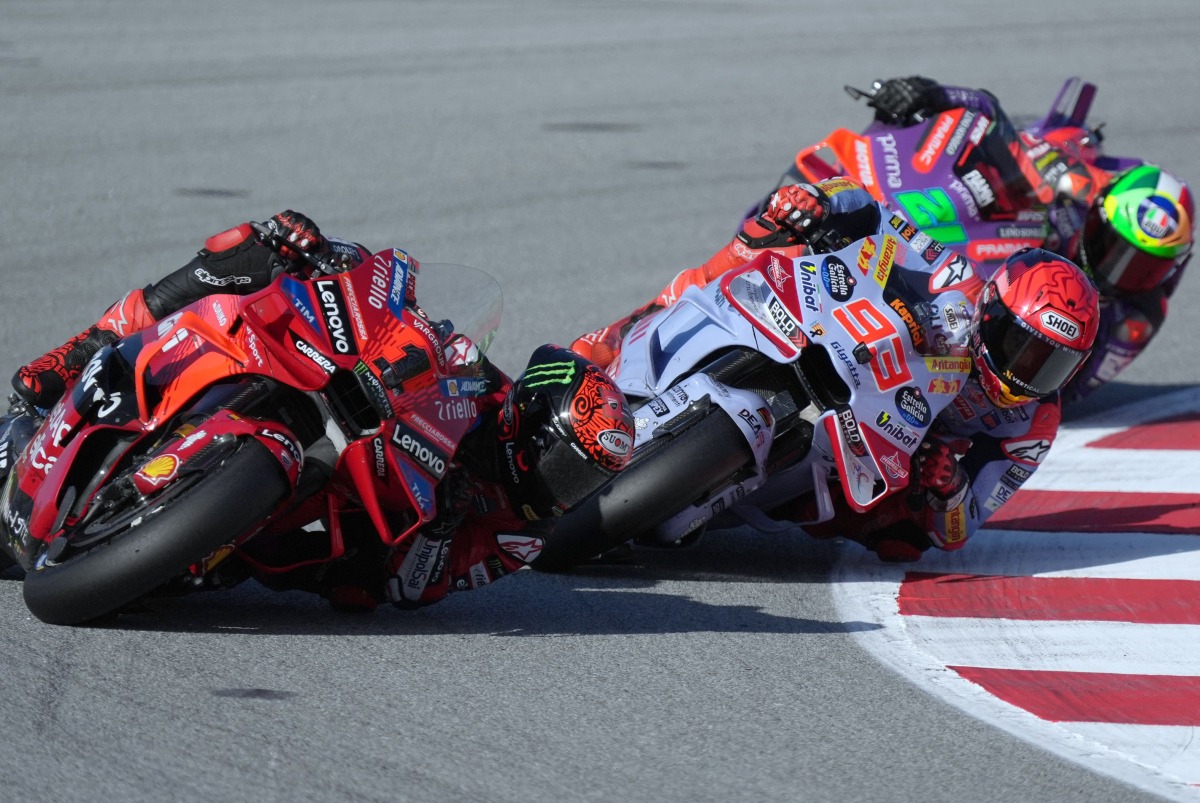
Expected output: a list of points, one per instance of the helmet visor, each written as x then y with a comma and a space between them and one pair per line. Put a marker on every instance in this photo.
1023, 357
569, 476
1116, 263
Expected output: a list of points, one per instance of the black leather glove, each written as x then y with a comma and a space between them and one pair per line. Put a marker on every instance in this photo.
904, 101
299, 231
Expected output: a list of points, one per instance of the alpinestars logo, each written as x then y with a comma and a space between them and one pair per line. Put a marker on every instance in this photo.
1030, 452
219, 281
551, 373
522, 547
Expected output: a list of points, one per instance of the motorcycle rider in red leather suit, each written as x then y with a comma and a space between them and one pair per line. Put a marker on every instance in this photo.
495, 513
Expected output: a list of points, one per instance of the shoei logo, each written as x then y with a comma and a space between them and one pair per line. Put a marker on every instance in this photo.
1061, 324
551, 373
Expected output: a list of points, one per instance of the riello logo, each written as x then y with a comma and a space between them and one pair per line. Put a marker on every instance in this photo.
1060, 323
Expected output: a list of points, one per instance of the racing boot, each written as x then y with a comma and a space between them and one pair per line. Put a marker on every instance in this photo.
44, 381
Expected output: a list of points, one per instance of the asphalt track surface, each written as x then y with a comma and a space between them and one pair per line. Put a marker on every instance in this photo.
581, 153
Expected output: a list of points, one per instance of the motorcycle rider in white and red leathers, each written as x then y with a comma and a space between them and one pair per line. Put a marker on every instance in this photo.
1004, 418
1130, 225
493, 515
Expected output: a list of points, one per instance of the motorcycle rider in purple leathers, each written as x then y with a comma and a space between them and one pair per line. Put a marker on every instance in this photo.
1128, 224
495, 513
1036, 319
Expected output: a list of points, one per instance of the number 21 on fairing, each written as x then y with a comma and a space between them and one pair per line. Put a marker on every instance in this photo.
933, 212
863, 321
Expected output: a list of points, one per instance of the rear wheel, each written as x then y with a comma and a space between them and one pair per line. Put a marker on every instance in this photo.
131, 552
668, 474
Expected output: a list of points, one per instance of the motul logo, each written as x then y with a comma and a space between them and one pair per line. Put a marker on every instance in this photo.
862, 158
1061, 324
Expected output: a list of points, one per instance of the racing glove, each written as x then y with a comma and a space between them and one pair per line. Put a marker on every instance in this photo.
940, 472
791, 211
299, 231
905, 101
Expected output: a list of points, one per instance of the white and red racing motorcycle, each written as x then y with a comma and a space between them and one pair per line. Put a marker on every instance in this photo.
780, 379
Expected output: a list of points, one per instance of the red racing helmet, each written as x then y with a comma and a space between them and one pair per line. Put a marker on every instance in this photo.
565, 430
1036, 321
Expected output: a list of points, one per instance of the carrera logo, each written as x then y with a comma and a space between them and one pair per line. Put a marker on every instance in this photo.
308, 351
1061, 324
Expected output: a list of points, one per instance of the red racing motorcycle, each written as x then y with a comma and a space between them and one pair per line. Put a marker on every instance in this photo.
230, 417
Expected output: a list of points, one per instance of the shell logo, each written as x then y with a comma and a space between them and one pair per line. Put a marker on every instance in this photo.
160, 470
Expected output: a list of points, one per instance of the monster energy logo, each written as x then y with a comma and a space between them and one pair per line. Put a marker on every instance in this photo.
551, 373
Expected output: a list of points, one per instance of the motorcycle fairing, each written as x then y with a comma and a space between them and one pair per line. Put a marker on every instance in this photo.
663, 346
937, 176
149, 378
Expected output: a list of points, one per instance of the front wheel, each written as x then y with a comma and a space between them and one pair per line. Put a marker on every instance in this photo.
668, 474
152, 546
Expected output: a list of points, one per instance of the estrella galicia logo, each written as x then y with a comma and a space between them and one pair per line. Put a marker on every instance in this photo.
837, 279
298, 293
913, 406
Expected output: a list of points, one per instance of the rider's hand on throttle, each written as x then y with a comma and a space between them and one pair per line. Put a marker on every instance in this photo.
940, 471
899, 100
299, 232
794, 207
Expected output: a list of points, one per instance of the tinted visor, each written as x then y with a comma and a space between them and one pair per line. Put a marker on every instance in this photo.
568, 475
1028, 360
1116, 263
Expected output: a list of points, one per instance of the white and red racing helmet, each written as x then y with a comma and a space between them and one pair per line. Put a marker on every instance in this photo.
1036, 321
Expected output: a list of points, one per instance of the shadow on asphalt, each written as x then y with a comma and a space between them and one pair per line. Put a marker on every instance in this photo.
649, 596
639, 595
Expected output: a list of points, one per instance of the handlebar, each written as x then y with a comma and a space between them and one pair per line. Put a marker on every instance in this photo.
323, 263
859, 94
